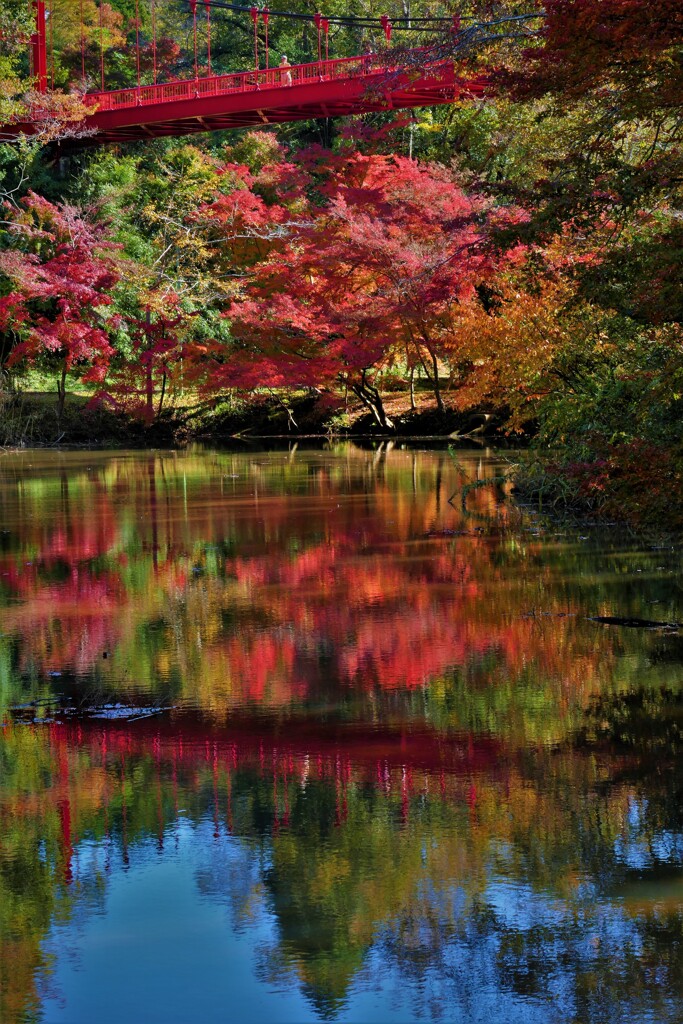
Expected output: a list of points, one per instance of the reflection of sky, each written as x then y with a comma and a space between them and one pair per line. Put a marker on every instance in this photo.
462, 989
668, 846
518, 906
163, 948
638, 849
186, 933
161, 951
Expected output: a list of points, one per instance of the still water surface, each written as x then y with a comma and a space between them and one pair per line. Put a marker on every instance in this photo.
290, 736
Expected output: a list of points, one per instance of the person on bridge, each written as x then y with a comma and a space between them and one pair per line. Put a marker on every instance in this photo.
368, 55
286, 77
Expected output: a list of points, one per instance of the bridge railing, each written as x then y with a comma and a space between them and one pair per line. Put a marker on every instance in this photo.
244, 81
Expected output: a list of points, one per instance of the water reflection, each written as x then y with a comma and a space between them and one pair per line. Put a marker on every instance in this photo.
293, 733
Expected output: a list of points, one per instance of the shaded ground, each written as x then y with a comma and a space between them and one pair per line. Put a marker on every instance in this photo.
32, 418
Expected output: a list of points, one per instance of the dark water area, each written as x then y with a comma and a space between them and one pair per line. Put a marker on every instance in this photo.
301, 736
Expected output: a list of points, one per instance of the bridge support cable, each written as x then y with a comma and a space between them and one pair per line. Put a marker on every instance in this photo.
51, 19
254, 12
100, 9
137, 40
399, 78
193, 8
154, 39
207, 6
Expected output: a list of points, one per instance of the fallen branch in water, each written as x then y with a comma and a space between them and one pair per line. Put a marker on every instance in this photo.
633, 623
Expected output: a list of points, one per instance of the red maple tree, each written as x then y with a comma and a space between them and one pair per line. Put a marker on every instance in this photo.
58, 278
378, 264
139, 383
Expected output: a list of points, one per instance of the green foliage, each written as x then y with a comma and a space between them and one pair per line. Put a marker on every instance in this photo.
581, 128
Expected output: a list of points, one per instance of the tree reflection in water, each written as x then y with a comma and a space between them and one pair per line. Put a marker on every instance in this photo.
383, 731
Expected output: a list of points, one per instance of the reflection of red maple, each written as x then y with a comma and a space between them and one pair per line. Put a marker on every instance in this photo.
377, 603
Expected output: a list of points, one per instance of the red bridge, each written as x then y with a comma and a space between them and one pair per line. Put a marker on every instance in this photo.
324, 88
328, 88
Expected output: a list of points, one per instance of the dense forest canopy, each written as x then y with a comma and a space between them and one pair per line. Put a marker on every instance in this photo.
517, 255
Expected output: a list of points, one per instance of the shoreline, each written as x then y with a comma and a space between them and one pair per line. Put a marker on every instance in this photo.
601, 480
31, 420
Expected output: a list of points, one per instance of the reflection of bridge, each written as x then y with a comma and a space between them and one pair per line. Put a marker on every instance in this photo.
396, 762
178, 736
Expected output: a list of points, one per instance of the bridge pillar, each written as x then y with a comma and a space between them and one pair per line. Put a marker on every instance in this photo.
39, 47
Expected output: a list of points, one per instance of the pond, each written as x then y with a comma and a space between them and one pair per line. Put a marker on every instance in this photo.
332, 734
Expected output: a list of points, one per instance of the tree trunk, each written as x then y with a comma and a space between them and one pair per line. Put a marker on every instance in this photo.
412, 389
163, 392
437, 387
433, 375
149, 379
372, 400
61, 394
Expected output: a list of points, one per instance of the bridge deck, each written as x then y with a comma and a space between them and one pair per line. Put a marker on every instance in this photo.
330, 88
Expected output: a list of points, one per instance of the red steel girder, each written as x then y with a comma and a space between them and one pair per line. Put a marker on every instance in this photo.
325, 89
276, 104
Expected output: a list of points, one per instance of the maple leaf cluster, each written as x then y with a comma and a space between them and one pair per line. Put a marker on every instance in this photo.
367, 261
58, 279
139, 383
